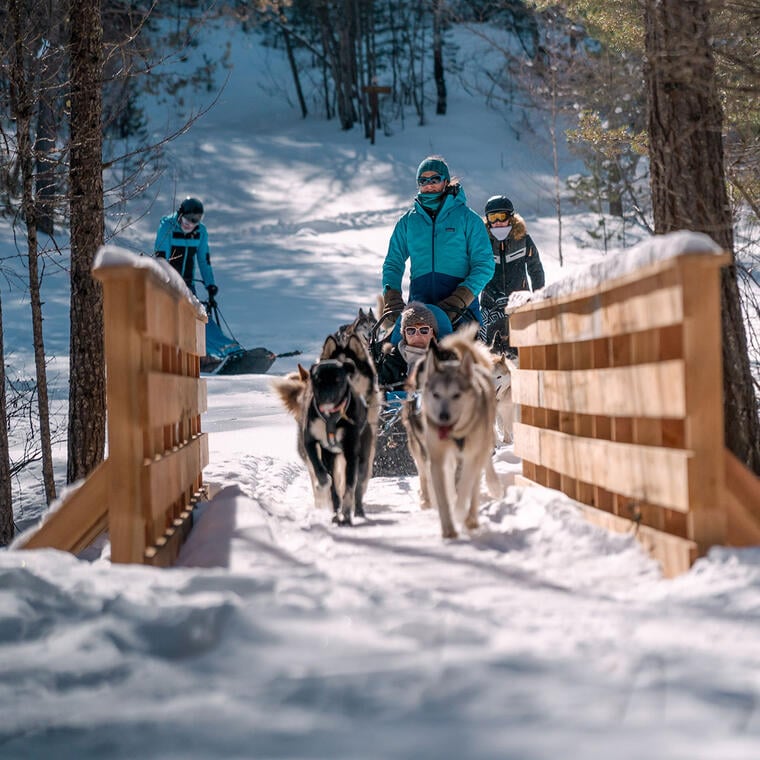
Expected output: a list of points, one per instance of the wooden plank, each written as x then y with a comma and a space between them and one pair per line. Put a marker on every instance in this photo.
645, 299
742, 500
78, 520
168, 477
603, 315
200, 339
650, 474
647, 390
173, 397
162, 316
675, 555
642, 274
172, 319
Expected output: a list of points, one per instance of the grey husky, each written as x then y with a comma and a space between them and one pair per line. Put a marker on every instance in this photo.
450, 428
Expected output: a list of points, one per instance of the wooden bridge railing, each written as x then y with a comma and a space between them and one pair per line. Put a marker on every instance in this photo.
621, 407
145, 490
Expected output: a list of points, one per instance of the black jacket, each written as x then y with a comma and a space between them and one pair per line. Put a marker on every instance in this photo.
516, 259
392, 370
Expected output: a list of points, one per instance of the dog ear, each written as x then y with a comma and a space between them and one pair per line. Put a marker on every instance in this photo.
434, 348
330, 347
356, 345
371, 315
303, 373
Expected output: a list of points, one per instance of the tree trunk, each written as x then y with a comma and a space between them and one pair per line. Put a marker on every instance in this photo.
339, 54
438, 71
688, 182
6, 493
22, 108
294, 72
86, 434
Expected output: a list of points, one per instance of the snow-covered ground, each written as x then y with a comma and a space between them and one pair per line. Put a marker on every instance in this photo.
279, 635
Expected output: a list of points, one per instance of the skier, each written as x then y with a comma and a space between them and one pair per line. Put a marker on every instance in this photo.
182, 238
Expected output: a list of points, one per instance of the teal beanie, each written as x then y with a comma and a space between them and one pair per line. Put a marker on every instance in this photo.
434, 165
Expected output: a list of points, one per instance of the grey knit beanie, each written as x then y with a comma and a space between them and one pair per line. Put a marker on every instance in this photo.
417, 313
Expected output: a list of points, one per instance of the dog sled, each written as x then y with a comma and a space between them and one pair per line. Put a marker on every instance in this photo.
225, 355
392, 456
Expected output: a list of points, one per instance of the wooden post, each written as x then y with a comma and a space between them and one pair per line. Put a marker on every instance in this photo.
374, 90
703, 358
124, 305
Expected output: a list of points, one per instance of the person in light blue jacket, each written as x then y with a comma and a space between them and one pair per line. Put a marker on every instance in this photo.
182, 239
448, 249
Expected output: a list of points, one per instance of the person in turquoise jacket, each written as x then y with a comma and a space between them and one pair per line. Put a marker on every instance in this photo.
182, 239
448, 249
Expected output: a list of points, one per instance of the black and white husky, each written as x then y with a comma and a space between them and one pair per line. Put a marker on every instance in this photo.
336, 407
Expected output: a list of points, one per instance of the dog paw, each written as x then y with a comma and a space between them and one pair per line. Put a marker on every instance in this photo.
359, 511
471, 523
451, 533
344, 521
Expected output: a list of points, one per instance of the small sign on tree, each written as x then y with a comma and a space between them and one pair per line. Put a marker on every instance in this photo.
374, 91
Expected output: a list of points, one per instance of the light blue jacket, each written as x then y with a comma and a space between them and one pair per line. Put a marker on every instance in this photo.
451, 250
182, 249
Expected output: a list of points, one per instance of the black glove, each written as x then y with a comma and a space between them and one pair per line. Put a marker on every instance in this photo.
393, 305
455, 304
212, 290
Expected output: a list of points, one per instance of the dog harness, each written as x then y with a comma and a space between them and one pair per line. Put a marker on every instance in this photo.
332, 418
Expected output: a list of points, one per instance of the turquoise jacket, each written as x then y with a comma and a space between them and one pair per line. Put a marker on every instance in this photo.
452, 249
182, 250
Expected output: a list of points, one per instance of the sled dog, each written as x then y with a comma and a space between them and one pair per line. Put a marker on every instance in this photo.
337, 424
503, 367
361, 326
450, 428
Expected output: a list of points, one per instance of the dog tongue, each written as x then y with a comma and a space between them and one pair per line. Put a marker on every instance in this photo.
443, 431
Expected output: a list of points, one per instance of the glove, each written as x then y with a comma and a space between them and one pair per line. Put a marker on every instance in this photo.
393, 305
456, 303
212, 290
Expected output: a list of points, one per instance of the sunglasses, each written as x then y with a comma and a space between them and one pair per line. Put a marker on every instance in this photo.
415, 330
434, 180
192, 218
498, 216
